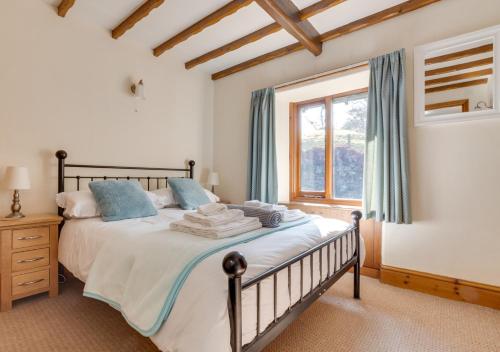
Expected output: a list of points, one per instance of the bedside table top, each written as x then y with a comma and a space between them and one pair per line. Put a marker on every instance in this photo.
32, 219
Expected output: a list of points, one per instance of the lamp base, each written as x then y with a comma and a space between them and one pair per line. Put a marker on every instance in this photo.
16, 215
16, 207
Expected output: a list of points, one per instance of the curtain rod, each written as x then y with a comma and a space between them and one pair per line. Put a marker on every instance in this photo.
321, 75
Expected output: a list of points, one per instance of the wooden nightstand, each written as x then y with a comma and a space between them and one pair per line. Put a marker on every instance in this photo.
28, 257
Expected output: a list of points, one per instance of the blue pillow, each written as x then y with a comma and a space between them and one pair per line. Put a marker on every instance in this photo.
118, 200
188, 193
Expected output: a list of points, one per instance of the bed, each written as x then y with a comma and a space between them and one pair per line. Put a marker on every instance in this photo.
238, 298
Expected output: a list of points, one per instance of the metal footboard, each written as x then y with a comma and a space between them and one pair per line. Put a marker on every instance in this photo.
235, 265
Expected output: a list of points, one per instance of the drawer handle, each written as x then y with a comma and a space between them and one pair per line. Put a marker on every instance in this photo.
30, 282
36, 259
29, 238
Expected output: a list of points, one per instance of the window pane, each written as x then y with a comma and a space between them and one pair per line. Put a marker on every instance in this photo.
312, 148
349, 127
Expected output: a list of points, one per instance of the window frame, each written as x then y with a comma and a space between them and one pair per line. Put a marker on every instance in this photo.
326, 197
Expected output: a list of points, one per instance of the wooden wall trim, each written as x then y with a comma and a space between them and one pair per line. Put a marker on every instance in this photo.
453, 78
442, 286
472, 83
464, 103
459, 67
460, 54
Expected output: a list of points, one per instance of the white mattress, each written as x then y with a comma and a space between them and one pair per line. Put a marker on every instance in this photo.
202, 302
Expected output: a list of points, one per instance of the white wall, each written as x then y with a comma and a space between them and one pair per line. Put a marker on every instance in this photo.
454, 168
65, 84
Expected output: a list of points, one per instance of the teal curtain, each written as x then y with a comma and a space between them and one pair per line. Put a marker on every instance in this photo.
262, 168
386, 184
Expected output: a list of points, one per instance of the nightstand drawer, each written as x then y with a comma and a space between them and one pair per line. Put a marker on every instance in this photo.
35, 236
30, 259
26, 283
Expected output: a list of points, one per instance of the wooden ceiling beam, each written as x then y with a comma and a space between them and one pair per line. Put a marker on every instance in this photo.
476, 82
395, 11
205, 22
460, 54
317, 8
238, 43
459, 77
384, 15
284, 12
464, 103
259, 60
135, 17
64, 7
459, 67
304, 14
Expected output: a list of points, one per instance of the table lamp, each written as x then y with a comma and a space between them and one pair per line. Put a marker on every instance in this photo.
16, 179
213, 179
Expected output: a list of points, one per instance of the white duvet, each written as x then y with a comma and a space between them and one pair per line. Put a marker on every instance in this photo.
199, 319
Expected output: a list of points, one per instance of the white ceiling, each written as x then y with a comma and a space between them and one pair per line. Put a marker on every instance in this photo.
175, 15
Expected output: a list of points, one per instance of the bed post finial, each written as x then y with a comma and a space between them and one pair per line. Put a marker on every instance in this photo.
191, 168
356, 217
61, 156
234, 266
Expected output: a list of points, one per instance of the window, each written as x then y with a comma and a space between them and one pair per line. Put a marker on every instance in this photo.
327, 141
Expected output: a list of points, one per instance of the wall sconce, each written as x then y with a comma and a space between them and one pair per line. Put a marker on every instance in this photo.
138, 90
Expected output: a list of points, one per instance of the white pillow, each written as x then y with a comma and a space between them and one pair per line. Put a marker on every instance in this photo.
82, 204
78, 204
213, 198
164, 197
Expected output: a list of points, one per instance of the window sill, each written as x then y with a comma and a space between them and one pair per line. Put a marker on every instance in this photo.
322, 205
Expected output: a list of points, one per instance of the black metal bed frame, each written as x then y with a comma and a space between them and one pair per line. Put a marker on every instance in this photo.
235, 265
61, 156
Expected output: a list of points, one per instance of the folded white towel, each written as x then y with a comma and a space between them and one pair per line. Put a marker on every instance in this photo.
220, 218
254, 203
217, 232
212, 209
293, 214
264, 206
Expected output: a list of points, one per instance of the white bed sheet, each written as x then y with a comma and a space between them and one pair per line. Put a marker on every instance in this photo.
202, 303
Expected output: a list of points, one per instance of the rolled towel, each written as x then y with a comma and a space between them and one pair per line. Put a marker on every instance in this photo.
221, 218
211, 209
268, 218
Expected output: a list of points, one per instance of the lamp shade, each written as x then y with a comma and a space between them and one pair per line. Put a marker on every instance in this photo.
17, 178
213, 179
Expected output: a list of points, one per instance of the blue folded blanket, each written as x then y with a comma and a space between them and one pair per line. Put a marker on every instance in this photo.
268, 218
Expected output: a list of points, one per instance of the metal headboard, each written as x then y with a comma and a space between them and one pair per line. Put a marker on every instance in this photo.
61, 176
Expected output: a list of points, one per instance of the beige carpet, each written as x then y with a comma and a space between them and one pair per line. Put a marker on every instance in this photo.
387, 319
